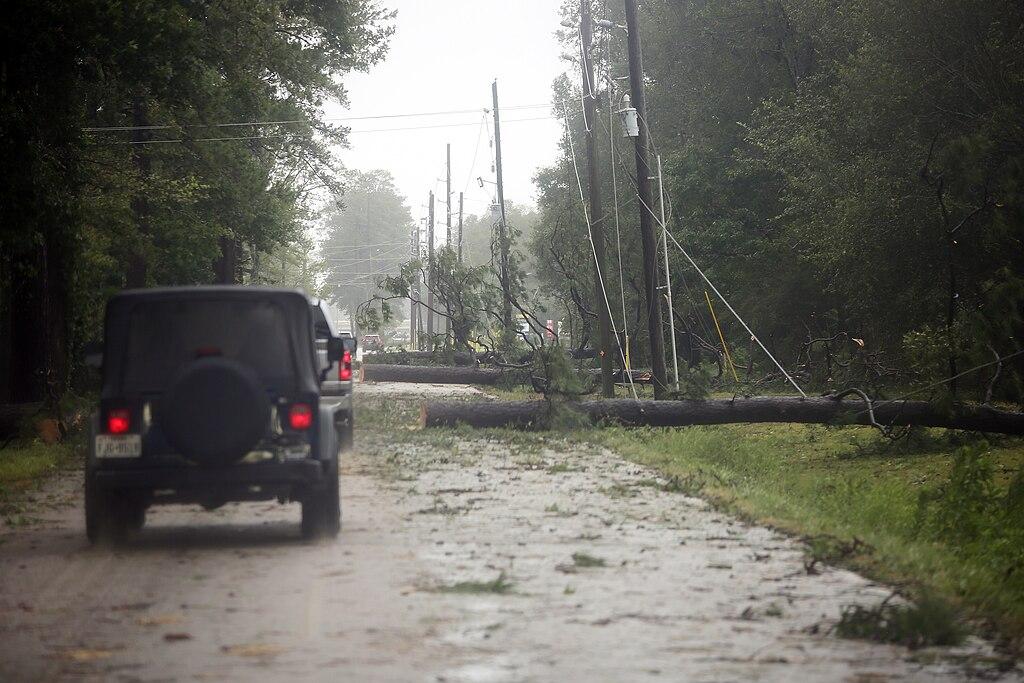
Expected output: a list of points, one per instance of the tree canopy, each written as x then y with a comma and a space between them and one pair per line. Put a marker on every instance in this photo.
158, 143
847, 174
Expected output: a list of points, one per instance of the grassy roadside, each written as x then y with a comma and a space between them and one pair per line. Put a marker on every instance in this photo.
937, 515
23, 464
26, 459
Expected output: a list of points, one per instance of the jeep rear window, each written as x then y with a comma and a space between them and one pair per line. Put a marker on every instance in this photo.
165, 336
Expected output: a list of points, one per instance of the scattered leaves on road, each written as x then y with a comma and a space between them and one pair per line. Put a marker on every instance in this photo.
84, 654
252, 650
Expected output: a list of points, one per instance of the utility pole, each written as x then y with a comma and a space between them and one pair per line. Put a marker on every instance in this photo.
604, 323
643, 190
503, 226
448, 230
430, 274
668, 278
448, 195
414, 300
460, 227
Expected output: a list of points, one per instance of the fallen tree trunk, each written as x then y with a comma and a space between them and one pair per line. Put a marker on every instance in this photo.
429, 374
459, 358
535, 414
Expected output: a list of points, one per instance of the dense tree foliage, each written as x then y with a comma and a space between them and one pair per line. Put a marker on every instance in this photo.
121, 170
849, 174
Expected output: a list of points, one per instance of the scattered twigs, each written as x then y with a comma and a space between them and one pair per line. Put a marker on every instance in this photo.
886, 430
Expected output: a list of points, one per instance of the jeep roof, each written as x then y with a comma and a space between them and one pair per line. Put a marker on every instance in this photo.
150, 334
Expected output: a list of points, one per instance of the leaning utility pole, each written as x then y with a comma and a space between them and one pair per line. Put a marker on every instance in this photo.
604, 322
460, 227
430, 274
448, 231
668, 278
506, 288
643, 190
414, 299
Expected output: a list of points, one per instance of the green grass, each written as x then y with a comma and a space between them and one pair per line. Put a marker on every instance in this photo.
23, 464
856, 497
22, 467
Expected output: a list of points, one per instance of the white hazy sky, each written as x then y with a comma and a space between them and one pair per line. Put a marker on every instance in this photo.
443, 57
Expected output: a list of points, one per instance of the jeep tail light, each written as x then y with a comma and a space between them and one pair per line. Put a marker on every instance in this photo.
345, 368
300, 416
119, 421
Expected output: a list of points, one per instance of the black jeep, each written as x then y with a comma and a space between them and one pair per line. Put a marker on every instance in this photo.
210, 395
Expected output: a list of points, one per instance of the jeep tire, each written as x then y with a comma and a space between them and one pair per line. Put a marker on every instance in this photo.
110, 516
321, 508
345, 435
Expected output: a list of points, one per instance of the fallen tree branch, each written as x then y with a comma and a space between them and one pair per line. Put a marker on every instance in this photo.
627, 412
886, 430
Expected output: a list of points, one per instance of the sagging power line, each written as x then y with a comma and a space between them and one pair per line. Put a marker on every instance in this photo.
288, 122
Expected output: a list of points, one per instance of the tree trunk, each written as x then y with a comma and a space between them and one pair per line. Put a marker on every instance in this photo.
459, 358
429, 374
225, 268
56, 291
26, 360
534, 414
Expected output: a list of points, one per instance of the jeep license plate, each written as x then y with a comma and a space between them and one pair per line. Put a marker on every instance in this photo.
127, 446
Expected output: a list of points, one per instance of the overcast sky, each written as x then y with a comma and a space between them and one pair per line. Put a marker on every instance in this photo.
443, 57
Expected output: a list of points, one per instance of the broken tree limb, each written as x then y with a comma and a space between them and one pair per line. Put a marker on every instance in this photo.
534, 414
619, 376
429, 374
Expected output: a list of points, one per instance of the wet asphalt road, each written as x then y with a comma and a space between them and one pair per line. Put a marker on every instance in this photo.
462, 558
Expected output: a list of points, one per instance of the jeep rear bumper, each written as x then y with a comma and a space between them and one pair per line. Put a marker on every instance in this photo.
232, 483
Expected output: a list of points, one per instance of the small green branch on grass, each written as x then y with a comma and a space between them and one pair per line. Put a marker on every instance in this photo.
926, 623
825, 549
500, 586
585, 561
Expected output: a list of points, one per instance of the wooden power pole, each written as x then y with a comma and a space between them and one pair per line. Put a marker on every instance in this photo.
506, 317
414, 298
604, 322
448, 196
430, 274
448, 228
643, 189
460, 227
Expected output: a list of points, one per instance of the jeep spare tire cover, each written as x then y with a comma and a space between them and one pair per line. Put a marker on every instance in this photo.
214, 412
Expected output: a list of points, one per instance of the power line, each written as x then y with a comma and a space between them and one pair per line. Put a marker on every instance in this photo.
285, 122
299, 135
363, 246
590, 237
476, 151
